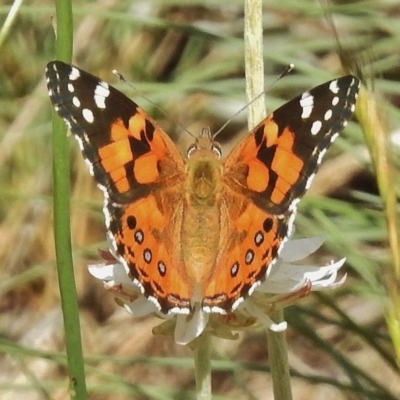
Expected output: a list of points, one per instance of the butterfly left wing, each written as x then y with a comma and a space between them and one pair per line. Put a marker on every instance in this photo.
139, 170
126, 151
265, 176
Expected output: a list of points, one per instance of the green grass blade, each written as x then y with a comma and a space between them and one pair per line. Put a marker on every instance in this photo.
62, 231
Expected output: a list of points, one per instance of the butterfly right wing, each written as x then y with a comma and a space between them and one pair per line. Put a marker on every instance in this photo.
277, 161
264, 177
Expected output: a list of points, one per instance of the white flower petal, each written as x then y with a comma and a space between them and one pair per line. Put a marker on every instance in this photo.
120, 275
140, 307
288, 277
102, 271
338, 264
297, 249
329, 283
289, 272
284, 286
333, 285
113, 273
325, 271
315, 276
189, 327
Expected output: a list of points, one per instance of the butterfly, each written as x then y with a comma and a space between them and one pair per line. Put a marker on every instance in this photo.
197, 229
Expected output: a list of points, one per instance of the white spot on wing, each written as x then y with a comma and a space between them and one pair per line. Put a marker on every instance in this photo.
333, 87
74, 74
309, 181
88, 115
316, 127
76, 102
335, 101
321, 156
139, 236
70, 87
335, 135
328, 115
101, 92
307, 104
80, 143
90, 167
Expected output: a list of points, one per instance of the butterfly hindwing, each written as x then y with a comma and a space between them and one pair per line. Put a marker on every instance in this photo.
142, 234
246, 260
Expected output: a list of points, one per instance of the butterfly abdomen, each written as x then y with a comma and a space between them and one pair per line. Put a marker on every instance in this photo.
200, 237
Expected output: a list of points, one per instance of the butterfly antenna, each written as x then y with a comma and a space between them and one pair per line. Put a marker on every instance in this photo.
122, 78
285, 71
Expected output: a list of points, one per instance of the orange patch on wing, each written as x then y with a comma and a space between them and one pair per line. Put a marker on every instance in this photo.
249, 149
118, 176
118, 152
285, 163
270, 131
118, 131
158, 145
154, 219
258, 176
287, 166
115, 155
286, 139
122, 185
280, 191
137, 123
146, 168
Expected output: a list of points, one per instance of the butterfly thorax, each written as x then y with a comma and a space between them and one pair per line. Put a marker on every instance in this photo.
200, 234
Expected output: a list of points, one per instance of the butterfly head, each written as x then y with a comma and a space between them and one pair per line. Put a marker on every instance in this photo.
203, 168
205, 144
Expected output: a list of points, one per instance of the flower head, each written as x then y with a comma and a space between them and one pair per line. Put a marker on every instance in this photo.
287, 281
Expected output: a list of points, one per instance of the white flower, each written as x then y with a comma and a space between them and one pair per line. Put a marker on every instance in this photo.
287, 282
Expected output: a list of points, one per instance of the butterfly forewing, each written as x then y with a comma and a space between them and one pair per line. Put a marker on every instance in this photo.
114, 134
282, 153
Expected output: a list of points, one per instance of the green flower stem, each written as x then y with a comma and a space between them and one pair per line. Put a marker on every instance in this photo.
202, 366
253, 35
278, 360
62, 231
